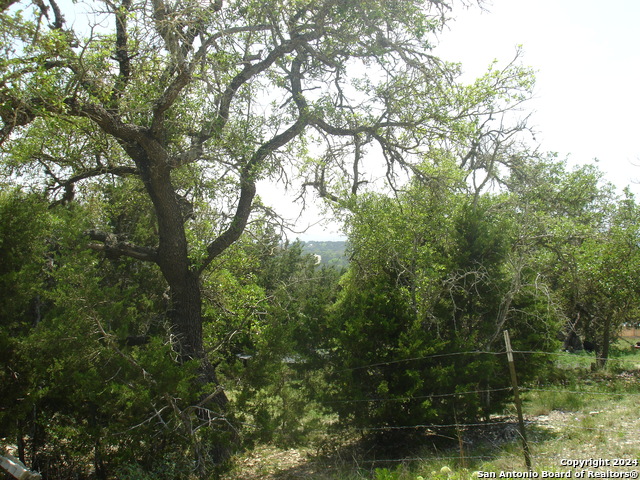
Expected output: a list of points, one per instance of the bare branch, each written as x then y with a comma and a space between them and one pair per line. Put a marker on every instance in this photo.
248, 72
112, 245
247, 180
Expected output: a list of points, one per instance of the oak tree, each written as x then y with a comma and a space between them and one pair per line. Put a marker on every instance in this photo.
196, 102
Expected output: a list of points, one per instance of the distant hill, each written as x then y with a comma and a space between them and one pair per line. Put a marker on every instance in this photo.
331, 253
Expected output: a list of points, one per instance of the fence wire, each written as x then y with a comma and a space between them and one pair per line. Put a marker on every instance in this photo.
502, 432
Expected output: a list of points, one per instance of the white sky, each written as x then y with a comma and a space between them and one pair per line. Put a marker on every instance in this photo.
587, 57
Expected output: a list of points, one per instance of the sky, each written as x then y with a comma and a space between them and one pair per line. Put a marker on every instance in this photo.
586, 55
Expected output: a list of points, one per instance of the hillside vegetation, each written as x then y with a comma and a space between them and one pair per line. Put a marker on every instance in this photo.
332, 253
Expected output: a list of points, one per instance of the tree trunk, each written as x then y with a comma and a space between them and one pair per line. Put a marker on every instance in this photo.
173, 253
20, 443
603, 350
186, 316
186, 298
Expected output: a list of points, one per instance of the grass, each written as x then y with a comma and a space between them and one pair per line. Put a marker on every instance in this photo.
582, 415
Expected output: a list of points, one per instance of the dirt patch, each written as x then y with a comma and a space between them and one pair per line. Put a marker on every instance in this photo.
270, 463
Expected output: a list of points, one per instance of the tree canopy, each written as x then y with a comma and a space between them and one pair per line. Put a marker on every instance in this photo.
148, 269
198, 102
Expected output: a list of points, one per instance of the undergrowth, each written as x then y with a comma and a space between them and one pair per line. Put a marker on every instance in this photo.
581, 413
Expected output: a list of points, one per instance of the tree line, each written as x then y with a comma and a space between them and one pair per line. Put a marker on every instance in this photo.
92, 368
154, 319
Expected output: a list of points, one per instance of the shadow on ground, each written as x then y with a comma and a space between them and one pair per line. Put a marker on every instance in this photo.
359, 455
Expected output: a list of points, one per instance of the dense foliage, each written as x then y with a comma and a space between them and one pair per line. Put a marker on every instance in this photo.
436, 277
153, 319
408, 335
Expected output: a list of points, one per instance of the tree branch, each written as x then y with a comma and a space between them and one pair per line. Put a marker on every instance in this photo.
248, 192
69, 183
225, 100
109, 122
4, 4
122, 52
247, 180
167, 100
58, 18
14, 112
112, 245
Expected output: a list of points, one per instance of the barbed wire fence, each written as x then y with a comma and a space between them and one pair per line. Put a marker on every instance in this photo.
503, 433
